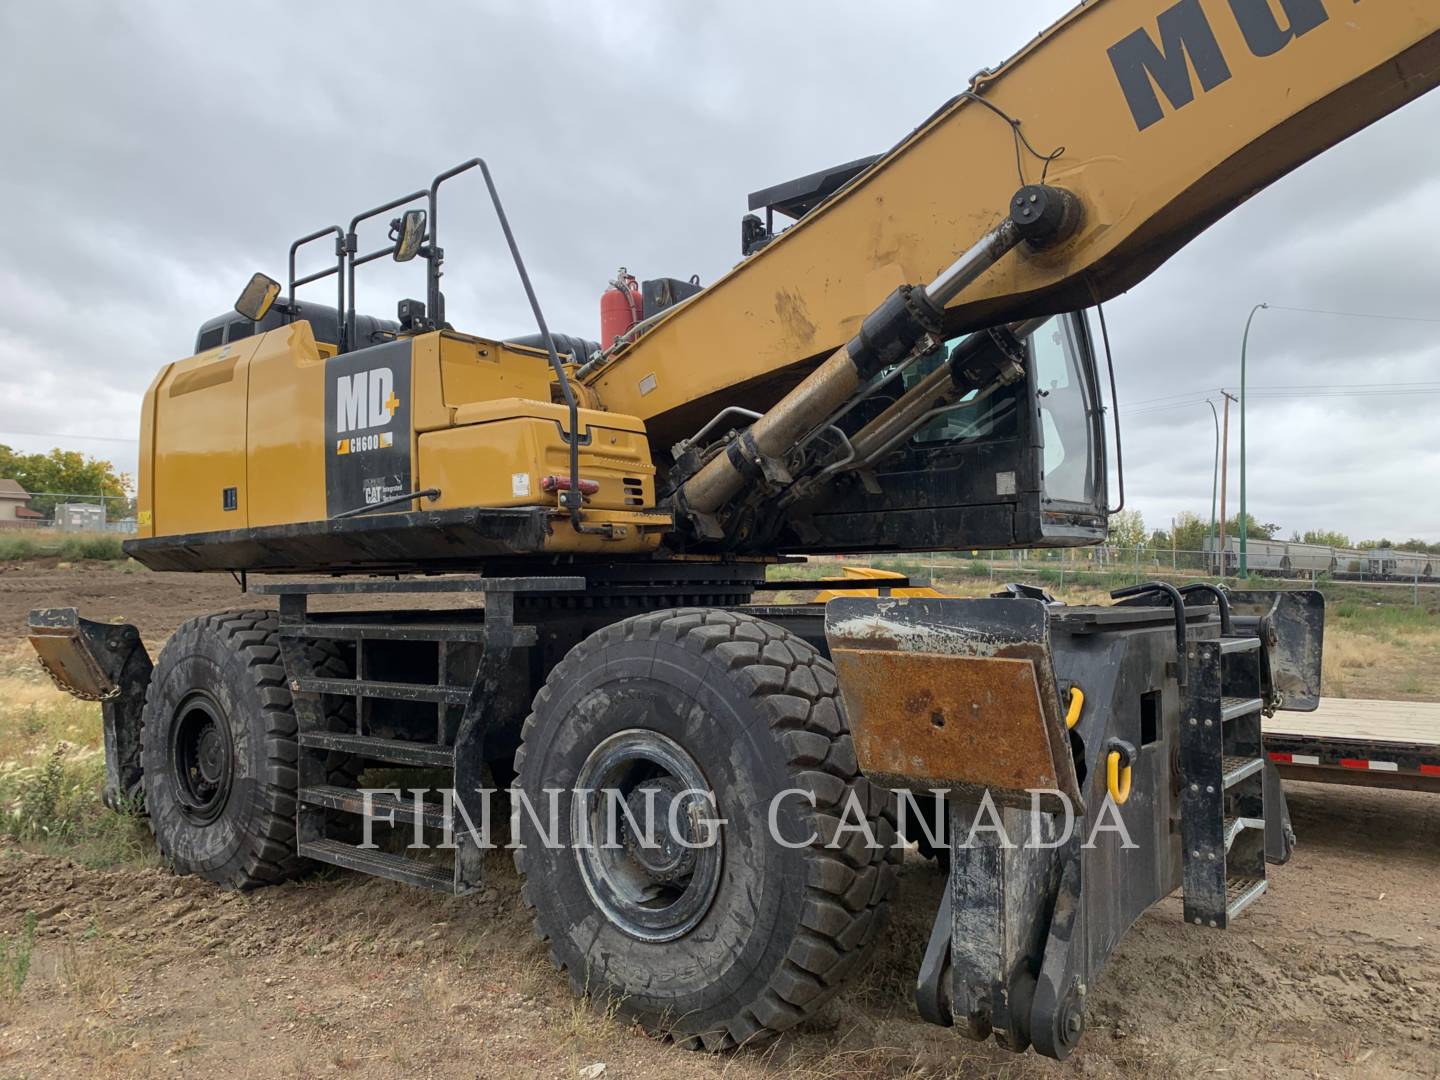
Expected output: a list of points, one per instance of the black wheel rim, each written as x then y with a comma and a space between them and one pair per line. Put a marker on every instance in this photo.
655, 884
202, 757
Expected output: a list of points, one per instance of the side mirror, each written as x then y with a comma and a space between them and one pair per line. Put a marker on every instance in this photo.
408, 232
258, 297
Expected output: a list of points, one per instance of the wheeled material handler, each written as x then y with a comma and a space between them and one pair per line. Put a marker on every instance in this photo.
907, 366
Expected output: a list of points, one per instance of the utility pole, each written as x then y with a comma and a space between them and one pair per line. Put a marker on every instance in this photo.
1224, 477
1214, 478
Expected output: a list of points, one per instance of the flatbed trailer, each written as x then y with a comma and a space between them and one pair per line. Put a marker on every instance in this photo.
1393, 744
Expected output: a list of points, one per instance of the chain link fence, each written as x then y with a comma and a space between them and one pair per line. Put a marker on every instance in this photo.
1110, 566
1105, 566
64, 512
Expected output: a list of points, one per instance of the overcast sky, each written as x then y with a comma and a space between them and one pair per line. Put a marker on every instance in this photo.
158, 153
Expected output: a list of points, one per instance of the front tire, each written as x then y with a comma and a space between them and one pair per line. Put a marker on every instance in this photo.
723, 946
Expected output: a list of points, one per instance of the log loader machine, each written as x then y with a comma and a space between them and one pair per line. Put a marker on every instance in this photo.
908, 366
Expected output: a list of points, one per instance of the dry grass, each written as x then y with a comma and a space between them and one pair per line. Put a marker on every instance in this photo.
52, 770
1349, 650
1381, 650
91, 975
33, 713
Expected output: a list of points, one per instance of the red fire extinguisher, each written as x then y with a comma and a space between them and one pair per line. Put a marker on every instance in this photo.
621, 307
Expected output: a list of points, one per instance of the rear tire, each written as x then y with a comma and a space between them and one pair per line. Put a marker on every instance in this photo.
218, 750
760, 936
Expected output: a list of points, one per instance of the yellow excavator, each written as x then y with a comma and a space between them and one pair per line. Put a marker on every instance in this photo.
907, 366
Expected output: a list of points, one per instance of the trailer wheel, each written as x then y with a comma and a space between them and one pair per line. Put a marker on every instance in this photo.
721, 944
218, 750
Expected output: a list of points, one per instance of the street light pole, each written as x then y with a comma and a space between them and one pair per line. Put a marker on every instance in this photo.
1221, 545
1244, 343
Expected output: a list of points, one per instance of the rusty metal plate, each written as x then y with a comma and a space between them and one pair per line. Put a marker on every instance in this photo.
57, 638
951, 693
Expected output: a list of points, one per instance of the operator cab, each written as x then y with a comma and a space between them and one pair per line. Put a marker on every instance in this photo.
1065, 409
1023, 466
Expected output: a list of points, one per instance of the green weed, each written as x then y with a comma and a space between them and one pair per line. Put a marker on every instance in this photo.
71, 547
1379, 618
15, 958
55, 806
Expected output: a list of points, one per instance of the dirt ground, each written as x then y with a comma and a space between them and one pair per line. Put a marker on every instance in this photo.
137, 973
155, 602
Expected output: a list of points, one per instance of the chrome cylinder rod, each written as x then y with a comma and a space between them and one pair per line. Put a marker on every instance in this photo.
980, 258
827, 387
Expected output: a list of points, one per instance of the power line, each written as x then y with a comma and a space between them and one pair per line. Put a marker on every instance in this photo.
1298, 390
1165, 408
1344, 386
1339, 393
1288, 390
1355, 314
1287, 397
1171, 397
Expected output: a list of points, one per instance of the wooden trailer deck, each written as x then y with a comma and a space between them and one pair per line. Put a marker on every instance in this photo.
1351, 741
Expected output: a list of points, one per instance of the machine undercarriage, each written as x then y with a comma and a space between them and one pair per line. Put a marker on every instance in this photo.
1047, 736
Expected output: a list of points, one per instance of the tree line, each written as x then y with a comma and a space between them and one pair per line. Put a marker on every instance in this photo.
64, 473
1127, 529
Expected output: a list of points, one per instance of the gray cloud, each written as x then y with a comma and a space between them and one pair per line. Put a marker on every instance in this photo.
159, 153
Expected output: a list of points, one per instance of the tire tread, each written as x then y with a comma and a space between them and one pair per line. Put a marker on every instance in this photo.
269, 856
849, 889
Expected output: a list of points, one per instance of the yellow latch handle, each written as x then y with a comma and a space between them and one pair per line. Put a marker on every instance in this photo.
1116, 778
1077, 702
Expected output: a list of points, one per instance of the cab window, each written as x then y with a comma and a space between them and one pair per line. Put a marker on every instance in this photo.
1063, 397
968, 420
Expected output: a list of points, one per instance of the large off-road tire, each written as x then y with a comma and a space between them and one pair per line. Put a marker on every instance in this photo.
758, 935
218, 750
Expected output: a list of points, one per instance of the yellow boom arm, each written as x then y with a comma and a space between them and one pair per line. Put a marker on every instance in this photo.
1160, 116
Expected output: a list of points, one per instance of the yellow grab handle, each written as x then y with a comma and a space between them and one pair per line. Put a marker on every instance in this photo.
1116, 778
1077, 702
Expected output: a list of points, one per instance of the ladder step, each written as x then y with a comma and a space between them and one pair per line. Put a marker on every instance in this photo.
1239, 644
1236, 825
447, 695
471, 632
381, 864
1240, 893
1232, 707
395, 751
383, 805
1235, 769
